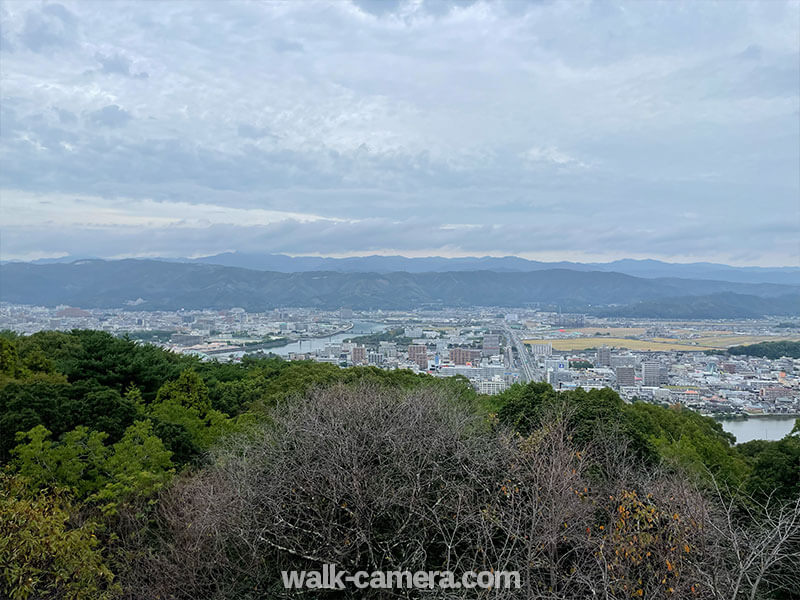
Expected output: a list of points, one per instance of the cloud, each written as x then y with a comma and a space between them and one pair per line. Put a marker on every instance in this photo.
552, 155
118, 64
282, 45
571, 128
49, 28
110, 116
252, 132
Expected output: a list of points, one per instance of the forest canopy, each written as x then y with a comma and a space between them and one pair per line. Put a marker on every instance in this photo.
129, 471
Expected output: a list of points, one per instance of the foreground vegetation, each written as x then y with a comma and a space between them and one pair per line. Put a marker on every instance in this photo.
131, 472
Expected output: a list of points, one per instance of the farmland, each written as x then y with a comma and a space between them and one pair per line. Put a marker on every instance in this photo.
659, 344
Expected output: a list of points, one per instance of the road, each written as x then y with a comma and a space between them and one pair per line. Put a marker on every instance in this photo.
527, 370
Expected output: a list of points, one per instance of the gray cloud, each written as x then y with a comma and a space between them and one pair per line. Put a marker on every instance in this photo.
282, 45
110, 116
51, 27
119, 64
662, 129
252, 132
376, 235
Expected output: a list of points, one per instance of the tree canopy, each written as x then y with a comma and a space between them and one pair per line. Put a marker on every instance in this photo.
121, 460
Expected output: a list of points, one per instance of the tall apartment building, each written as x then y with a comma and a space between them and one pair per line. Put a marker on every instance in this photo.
358, 355
541, 349
491, 344
462, 356
651, 374
603, 358
626, 377
388, 349
623, 360
419, 354
492, 386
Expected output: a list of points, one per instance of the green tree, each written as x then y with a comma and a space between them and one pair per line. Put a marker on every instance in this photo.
188, 390
135, 467
185, 403
9, 359
592, 415
42, 553
686, 438
138, 466
775, 468
75, 463
769, 349
25, 405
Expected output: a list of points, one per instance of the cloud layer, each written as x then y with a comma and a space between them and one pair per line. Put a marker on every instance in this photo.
575, 130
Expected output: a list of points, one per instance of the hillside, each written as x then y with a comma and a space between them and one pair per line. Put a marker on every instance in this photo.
711, 306
650, 269
130, 472
156, 285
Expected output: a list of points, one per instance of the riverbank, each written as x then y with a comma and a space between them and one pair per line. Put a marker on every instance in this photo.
746, 416
326, 335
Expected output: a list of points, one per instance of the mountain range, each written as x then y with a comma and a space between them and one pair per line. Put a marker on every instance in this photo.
649, 269
161, 285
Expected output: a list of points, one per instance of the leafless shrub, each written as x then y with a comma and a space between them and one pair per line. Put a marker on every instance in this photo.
373, 479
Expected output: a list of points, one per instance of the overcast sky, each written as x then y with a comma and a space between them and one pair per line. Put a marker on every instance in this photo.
574, 130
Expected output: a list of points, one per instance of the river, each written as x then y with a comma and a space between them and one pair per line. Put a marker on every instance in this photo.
359, 328
758, 428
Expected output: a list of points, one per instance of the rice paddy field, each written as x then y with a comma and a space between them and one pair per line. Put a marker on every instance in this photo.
660, 344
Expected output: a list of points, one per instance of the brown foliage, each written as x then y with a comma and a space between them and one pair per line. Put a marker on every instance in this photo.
374, 479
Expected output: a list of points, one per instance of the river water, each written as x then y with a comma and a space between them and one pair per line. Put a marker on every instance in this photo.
359, 328
758, 428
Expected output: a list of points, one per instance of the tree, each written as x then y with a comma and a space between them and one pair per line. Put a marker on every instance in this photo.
44, 555
369, 478
188, 390
184, 403
139, 466
769, 349
134, 468
690, 441
580, 364
76, 463
775, 468
593, 415
25, 405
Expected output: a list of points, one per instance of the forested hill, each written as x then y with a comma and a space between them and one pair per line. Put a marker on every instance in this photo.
156, 285
129, 472
390, 264
771, 350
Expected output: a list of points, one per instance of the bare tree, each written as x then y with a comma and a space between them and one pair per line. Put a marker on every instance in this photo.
375, 479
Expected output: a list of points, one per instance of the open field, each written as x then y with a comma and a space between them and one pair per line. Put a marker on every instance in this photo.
593, 342
659, 344
617, 332
726, 341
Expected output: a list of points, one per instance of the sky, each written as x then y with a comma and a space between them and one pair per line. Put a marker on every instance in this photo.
575, 130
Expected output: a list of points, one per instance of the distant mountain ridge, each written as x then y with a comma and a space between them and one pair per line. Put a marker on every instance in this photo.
160, 285
648, 269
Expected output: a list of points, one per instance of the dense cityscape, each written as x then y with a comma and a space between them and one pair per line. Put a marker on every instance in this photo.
661, 362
